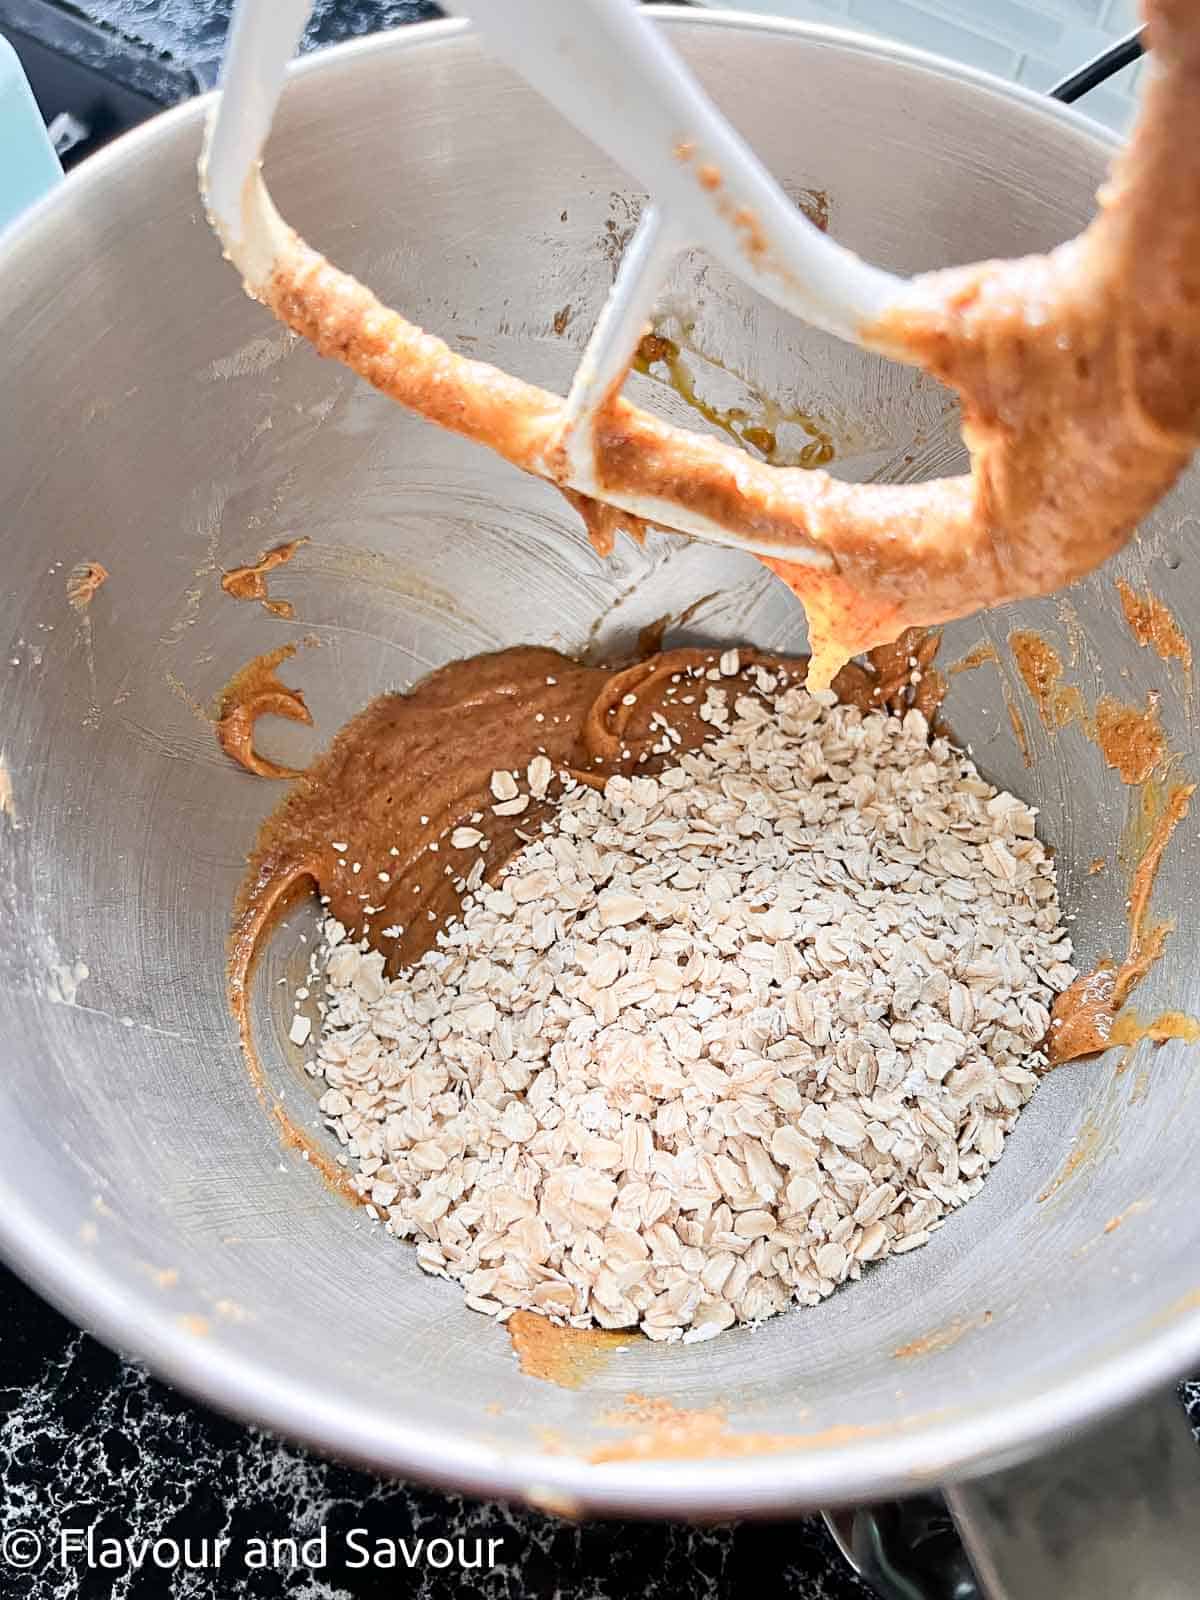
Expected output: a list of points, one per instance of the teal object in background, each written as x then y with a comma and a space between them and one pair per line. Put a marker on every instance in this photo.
28, 165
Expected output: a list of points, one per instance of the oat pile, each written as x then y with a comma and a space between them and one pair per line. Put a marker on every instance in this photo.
716, 1039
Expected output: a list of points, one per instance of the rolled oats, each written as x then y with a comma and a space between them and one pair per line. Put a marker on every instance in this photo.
714, 1039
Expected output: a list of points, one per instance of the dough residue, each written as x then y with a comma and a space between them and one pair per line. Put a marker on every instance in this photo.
1085, 1018
1040, 665
83, 581
659, 1430
568, 1357
254, 691
250, 582
1151, 623
1132, 742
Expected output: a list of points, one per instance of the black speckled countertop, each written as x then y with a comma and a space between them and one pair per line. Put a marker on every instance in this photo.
90, 1440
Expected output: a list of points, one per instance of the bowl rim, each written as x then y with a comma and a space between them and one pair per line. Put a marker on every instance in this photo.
953, 1445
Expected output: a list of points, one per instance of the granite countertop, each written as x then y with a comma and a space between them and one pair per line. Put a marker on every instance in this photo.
87, 1438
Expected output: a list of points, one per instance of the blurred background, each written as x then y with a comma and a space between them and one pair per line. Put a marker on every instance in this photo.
99, 66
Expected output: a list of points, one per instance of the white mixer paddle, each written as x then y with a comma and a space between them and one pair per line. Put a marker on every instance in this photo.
867, 560
604, 65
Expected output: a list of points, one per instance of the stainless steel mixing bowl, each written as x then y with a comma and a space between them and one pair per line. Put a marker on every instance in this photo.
159, 423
